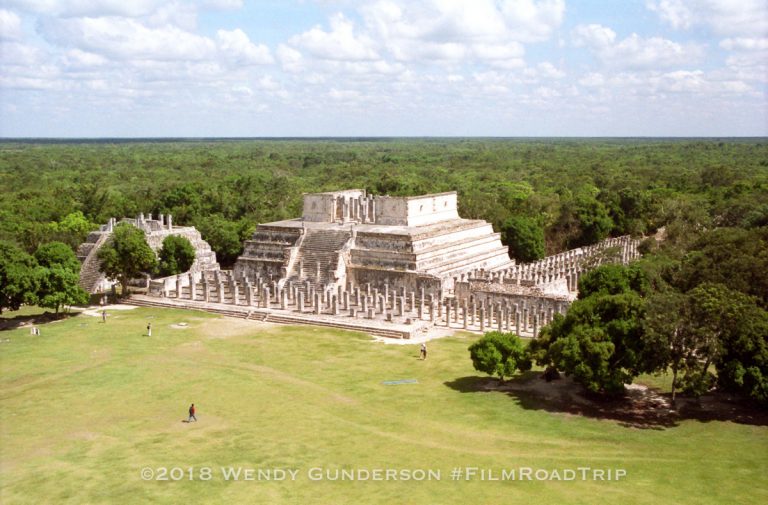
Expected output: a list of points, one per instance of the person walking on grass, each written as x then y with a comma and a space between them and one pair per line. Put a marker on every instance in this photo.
103, 316
149, 329
192, 411
423, 350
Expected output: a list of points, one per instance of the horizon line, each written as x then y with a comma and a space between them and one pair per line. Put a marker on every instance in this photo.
375, 137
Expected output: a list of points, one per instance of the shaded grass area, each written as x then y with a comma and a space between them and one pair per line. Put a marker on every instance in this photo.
33, 315
87, 405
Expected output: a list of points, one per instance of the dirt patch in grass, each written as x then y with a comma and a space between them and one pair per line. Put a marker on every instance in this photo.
227, 327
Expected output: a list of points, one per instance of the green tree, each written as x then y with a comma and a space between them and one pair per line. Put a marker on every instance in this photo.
669, 338
59, 288
59, 277
733, 257
594, 222
730, 331
743, 364
19, 277
709, 325
176, 256
225, 237
599, 341
499, 354
73, 228
126, 255
613, 279
57, 254
525, 238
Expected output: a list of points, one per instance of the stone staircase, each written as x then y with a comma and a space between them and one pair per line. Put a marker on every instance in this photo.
319, 256
90, 276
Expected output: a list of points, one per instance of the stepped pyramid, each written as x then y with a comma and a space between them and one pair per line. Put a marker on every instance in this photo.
349, 237
155, 230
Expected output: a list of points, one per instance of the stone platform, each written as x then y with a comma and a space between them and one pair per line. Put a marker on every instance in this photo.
348, 237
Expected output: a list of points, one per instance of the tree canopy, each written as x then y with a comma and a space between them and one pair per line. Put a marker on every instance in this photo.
499, 354
19, 277
524, 237
57, 254
59, 277
176, 255
126, 255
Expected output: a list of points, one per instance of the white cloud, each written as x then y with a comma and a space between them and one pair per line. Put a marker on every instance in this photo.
751, 66
89, 8
638, 52
463, 21
16, 53
453, 30
344, 94
748, 59
592, 80
75, 58
594, 36
533, 21
242, 90
634, 51
682, 81
174, 13
340, 43
674, 12
396, 66
125, 38
290, 58
492, 82
268, 83
696, 82
236, 46
547, 70
653, 86
10, 25
724, 17
509, 51
223, 4
745, 44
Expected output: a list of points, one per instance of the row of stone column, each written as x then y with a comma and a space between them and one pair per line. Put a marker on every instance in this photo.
361, 209
371, 304
568, 265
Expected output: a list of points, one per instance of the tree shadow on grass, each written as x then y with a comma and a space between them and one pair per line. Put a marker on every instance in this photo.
12, 323
640, 407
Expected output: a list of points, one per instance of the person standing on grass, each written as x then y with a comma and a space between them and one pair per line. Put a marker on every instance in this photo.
103, 316
423, 350
192, 411
149, 329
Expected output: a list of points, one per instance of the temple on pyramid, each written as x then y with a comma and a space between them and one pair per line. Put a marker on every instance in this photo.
351, 238
390, 266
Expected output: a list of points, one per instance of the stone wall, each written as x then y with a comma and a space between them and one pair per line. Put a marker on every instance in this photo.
355, 206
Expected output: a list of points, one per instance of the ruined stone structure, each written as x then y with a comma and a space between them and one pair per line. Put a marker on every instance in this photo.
350, 238
155, 231
388, 266
534, 292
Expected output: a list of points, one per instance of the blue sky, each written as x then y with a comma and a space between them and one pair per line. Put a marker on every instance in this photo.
157, 68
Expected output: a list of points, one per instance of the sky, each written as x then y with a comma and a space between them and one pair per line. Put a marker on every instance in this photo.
238, 68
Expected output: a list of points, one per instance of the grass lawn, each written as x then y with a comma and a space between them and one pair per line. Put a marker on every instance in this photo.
86, 406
